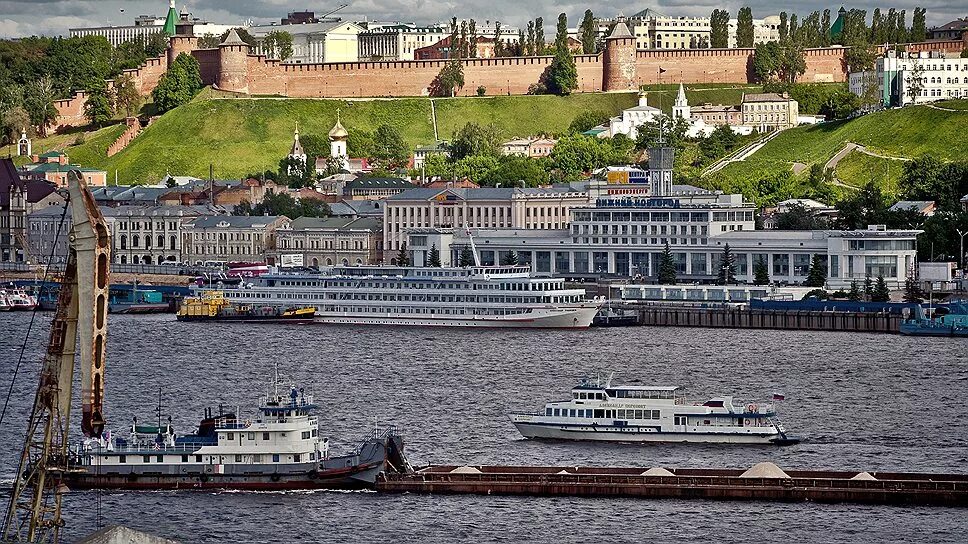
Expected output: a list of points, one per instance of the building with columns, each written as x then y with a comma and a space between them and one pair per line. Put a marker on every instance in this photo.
330, 241
510, 208
232, 238
152, 234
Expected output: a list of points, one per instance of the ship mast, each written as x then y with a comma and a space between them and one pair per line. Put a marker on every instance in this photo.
34, 512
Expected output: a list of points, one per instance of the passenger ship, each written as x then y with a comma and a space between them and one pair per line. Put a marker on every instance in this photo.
475, 296
280, 450
631, 413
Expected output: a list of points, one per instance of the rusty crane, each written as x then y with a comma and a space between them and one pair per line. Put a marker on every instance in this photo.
34, 512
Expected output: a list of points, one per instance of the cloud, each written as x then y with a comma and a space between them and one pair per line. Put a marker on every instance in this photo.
53, 17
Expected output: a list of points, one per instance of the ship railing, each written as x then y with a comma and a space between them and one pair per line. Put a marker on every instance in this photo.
378, 433
148, 449
526, 413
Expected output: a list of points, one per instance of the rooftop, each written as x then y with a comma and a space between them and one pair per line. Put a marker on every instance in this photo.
236, 221
366, 182
765, 97
372, 224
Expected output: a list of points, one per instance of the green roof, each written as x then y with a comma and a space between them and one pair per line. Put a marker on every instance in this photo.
56, 167
170, 19
837, 29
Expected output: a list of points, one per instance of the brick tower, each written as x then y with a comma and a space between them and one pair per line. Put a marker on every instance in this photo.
619, 59
180, 44
233, 68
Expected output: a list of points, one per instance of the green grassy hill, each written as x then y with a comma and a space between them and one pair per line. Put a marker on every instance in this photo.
907, 132
238, 136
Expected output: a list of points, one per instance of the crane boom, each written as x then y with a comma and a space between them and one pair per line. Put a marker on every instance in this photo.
34, 512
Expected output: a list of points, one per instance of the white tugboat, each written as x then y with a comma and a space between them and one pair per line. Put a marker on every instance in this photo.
280, 450
634, 413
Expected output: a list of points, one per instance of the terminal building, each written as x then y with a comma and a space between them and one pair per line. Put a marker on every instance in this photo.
625, 236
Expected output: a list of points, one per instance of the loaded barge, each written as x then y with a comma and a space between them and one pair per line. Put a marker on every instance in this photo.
764, 481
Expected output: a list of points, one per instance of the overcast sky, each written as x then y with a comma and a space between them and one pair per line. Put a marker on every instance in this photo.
54, 17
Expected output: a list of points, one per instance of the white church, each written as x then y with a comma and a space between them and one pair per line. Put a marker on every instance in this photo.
629, 120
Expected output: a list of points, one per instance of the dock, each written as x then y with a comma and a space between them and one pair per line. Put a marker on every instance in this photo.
762, 482
747, 318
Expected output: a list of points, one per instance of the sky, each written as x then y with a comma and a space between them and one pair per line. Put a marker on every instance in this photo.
54, 17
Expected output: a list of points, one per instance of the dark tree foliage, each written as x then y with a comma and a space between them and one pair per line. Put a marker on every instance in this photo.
433, 256
510, 258
667, 267
719, 29
880, 292
855, 293
284, 204
817, 276
727, 269
799, 217
474, 139
912, 291
744, 27
761, 272
466, 257
588, 31
587, 120
403, 258
562, 77
179, 85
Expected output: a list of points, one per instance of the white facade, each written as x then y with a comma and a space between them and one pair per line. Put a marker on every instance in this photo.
314, 43
629, 120
653, 30
942, 77
151, 234
398, 41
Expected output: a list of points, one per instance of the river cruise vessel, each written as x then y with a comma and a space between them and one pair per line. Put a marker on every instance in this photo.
599, 411
473, 296
281, 449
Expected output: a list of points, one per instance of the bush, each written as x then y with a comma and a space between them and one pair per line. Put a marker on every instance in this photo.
481, 90
818, 294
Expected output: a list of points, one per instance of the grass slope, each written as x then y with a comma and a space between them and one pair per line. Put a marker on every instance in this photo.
906, 132
238, 136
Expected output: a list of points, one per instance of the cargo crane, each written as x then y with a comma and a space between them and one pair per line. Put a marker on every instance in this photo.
34, 512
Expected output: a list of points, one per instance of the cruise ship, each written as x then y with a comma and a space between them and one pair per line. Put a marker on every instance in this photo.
473, 296
599, 411
280, 449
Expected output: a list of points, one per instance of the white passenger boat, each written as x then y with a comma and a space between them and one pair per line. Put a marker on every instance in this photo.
473, 296
20, 299
635, 413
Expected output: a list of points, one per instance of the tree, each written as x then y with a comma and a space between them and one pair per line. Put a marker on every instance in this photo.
39, 102
474, 139
529, 44
840, 105
766, 61
472, 39
588, 33
799, 217
761, 273
562, 74
719, 29
865, 207
539, 39
498, 40
588, 119
794, 30
912, 290
868, 288
727, 269
918, 29
277, 45
433, 256
854, 294
818, 294
97, 107
880, 293
466, 257
403, 258
389, 148
784, 29
792, 63
667, 267
294, 172
744, 27
449, 80
284, 204
126, 97
825, 29
179, 84
915, 82
817, 276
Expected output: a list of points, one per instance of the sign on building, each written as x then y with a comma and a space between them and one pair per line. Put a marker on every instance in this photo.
290, 260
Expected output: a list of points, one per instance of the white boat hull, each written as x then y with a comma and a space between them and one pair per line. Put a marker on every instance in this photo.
564, 318
632, 434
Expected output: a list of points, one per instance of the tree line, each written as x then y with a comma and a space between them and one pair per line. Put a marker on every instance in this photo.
36, 71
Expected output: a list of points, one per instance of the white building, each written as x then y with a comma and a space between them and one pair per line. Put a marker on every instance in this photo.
629, 120
398, 41
152, 234
147, 25
314, 43
941, 77
654, 30
232, 238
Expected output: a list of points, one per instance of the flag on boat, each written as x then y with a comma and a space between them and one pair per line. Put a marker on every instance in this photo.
778, 396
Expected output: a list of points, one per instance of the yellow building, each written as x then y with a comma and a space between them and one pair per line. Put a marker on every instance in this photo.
768, 111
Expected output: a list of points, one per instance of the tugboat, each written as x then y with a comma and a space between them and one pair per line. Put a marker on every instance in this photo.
610, 316
280, 450
948, 320
213, 306
632, 413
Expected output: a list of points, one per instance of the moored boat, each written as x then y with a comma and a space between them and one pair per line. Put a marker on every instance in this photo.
950, 319
281, 449
610, 316
634, 413
20, 299
213, 306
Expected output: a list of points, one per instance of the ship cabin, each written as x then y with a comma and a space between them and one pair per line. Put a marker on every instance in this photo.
285, 433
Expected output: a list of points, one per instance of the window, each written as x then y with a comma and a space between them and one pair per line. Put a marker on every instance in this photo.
305, 435
122, 458
159, 458
238, 458
198, 458
275, 457
250, 436
230, 436
295, 458
184, 458
265, 436
146, 458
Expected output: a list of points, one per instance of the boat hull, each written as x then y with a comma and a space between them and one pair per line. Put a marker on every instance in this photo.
247, 319
914, 330
632, 434
571, 318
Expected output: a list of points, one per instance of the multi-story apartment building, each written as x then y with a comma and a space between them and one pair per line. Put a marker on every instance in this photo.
513, 208
529, 147
152, 234
20, 197
654, 30
232, 238
311, 241
147, 25
912, 78
769, 111
397, 41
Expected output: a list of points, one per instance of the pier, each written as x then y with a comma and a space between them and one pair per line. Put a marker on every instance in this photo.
890, 488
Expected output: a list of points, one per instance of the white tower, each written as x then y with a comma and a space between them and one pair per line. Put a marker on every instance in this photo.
681, 108
23, 145
337, 142
297, 150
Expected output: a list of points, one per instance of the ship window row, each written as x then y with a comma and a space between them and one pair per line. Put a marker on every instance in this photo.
599, 414
430, 311
640, 394
479, 299
586, 396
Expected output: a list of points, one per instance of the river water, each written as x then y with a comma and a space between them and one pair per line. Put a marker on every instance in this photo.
861, 401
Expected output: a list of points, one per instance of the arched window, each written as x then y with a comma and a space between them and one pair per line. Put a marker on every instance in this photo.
161, 241
345, 262
160, 259
359, 262
135, 240
315, 261
147, 241
329, 262
124, 241
146, 259
124, 259
171, 242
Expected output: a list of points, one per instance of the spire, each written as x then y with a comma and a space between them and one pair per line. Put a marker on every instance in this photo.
681, 99
297, 150
338, 132
170, 19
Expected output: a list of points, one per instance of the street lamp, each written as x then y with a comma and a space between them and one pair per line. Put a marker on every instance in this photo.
961, 249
